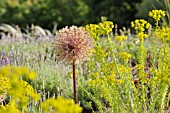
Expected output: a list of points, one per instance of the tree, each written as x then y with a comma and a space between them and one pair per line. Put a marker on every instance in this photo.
48, 13
118, 11
45, 13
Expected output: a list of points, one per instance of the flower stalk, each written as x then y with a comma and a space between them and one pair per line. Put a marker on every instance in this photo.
73, 44
74, 83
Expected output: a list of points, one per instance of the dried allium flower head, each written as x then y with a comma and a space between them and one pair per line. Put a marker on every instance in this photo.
73, 44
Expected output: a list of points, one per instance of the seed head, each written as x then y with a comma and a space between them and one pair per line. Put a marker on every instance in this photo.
73, 44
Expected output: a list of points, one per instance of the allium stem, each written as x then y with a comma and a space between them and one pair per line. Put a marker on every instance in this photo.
74, 83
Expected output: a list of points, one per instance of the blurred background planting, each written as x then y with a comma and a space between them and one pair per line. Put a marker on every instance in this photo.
128, 72
50, 14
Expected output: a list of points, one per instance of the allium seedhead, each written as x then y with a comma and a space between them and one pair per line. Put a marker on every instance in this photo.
73, 44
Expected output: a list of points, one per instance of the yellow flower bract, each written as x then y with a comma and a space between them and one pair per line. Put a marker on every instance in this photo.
10, 82
102, 28
157, 14
140, 25
125, 56
60, 105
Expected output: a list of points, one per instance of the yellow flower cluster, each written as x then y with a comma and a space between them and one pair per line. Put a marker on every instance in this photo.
111, 77
157, 14
162, 76
100, 53
95, 74
141, 36
19, 71
107, 26
107, 77
164, 51
112, 80
139, 67
93, 82
124, 69
140, 70
121, 39
140, 25
4, 84
162, 34
103, 28
124, 56
60, 105
11, 81
29, 90
10, 108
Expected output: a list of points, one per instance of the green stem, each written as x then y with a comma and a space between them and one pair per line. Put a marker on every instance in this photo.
156, 25
144, 98
163, 98
74, 83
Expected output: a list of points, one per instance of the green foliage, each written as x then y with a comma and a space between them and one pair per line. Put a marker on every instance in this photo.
126, 73
148, 5
121, 12
167, 20
11, 80
112, 75
48, 14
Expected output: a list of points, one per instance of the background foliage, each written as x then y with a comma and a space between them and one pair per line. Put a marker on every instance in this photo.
48, 14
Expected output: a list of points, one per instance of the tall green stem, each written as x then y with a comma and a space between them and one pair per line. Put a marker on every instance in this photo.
74, 83
163, 98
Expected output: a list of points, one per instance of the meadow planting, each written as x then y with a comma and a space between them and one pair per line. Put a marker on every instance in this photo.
89, 69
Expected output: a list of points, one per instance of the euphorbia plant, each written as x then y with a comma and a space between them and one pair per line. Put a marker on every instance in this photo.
73, 44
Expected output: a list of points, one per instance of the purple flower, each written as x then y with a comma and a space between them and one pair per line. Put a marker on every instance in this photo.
18, 58
3, 62
8, 60
2, 52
